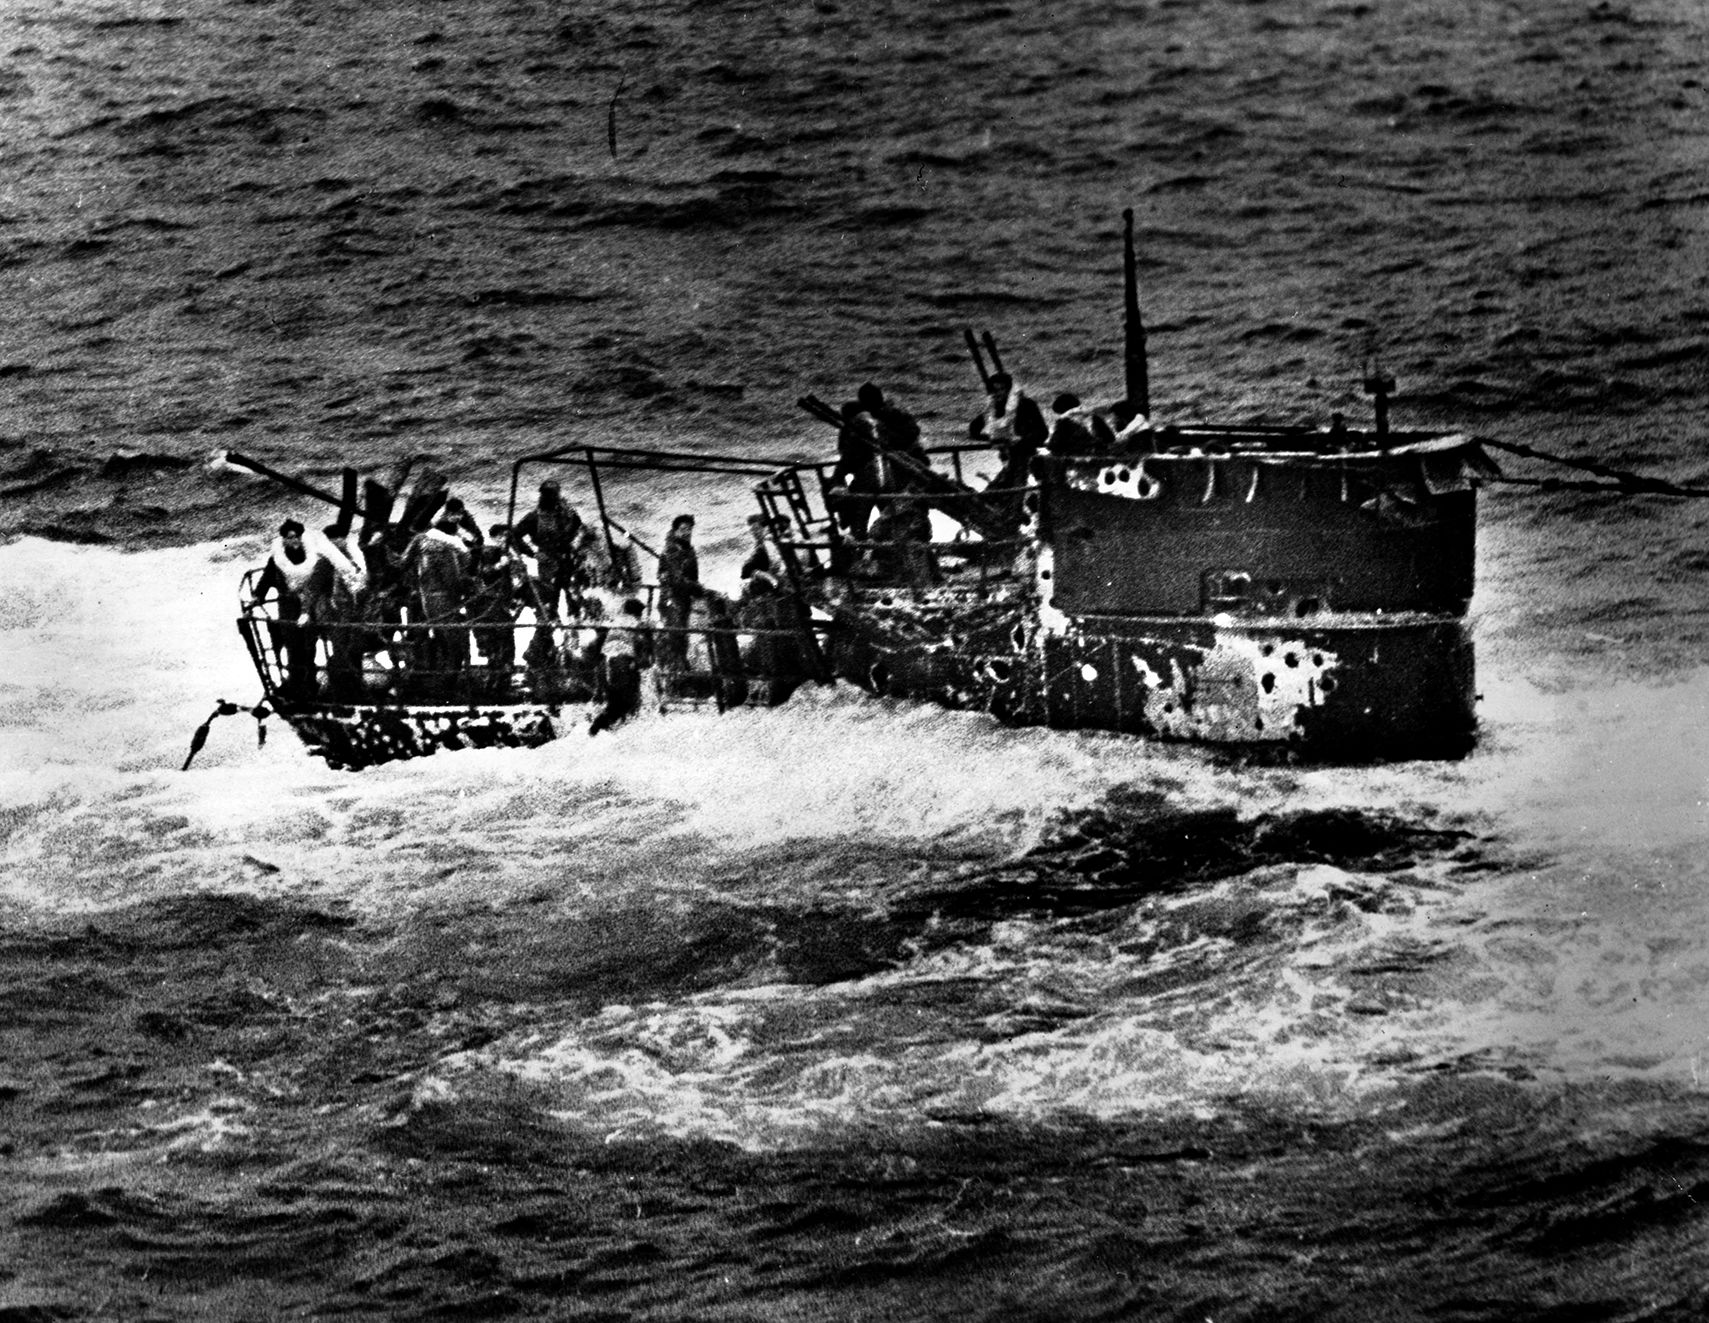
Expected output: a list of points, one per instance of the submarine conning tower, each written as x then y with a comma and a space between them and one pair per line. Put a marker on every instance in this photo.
1262, 585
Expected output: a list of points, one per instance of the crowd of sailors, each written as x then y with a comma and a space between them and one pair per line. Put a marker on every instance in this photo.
882, 490
443, 601
444, 604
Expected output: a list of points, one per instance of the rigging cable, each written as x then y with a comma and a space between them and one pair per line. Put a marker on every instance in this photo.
1623, 480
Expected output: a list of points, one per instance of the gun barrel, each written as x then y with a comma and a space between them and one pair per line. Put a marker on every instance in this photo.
820, 410
978, 358
284, 479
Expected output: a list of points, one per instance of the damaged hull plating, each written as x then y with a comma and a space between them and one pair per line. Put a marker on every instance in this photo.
1347, 690
1343, 690
356, 735
1293, 594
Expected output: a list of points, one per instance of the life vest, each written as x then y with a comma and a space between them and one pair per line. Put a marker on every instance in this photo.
1140, 426
1000, 426
860, 462
441, 560
296, 574
351, 576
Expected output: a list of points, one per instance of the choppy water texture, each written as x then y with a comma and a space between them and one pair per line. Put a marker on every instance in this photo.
851, 1009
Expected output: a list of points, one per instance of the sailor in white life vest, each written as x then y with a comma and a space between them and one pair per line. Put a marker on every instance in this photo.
302, 579
343, 618
1014, 423
1010, 416
437, 567
1133, 429
348, 580
625, 648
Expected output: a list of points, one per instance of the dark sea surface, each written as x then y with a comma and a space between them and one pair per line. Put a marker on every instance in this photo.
852, 1009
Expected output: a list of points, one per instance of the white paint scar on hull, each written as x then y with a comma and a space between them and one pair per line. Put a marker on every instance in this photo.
1244, 689
1050, 620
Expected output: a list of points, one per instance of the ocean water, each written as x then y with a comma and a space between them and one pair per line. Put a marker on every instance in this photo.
851, 1009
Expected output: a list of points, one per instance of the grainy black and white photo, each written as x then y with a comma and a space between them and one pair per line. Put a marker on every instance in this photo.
854, 660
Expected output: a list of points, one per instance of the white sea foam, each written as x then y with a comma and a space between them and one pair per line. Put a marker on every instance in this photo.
1583, 951
117, 657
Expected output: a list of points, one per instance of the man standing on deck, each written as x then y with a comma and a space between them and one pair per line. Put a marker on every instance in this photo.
301, 580
759, 560
1015, 424
552, 533
344, 614
1011, 418
499, 587
859, 474
679, 585
897, 430
466, 527
437, 566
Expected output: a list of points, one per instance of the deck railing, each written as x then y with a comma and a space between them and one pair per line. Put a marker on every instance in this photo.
401, 662
816, 546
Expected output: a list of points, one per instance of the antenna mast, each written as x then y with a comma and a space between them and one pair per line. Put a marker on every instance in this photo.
1138, 373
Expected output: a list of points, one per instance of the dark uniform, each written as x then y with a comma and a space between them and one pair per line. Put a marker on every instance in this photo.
679, 585
499, 583
554, 534
859, 470
897, 429
1070, 431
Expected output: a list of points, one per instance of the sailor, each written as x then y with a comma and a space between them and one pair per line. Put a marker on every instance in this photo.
288, 569
345, 612
759, 560
679, 586
757, 614
499, 584
291, 572
897, 430
350, 575
1338, 432
625, 648
859, 474
437, 567
1014, 423
1010, 416
773, 661
467, 528
723, 648
624, 573
902, 538
1071, 427
553, 533
1132, 428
